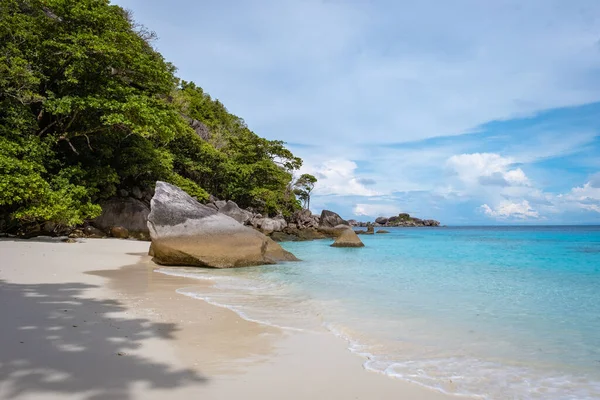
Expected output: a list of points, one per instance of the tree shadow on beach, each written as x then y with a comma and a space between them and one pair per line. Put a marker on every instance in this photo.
54, 340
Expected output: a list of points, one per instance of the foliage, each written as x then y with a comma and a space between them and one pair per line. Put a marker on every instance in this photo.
238, 164
88, 107
404, 216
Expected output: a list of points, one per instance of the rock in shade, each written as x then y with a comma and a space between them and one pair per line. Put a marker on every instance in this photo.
329, 219
185, 232
381, 220
283, 237
382, 231
304, 219
137, 193
347, 238
93, 232
119, 232
127, 212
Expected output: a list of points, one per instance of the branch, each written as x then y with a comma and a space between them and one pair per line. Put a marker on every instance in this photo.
88, 141
40, 133
70, 144
72, 119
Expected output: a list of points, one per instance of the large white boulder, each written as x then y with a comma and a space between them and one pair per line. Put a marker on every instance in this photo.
185, 232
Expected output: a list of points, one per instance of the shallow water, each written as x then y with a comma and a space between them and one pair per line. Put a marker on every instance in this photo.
500, 312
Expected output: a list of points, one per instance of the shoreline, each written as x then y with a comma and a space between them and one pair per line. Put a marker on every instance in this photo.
128, 334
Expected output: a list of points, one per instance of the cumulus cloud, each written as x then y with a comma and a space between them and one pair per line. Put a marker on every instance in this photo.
337, 177
508, 210
487, 169
586, 197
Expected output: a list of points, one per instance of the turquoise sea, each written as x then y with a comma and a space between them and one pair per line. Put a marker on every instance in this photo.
494, 312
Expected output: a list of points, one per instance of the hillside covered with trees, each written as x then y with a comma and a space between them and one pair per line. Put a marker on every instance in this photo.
88, 109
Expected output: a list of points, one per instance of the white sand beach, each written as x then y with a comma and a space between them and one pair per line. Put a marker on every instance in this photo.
92, 320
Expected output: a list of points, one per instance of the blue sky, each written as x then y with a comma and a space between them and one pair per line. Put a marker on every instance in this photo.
466, 111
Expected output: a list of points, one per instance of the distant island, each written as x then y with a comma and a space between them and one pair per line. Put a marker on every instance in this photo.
402, 220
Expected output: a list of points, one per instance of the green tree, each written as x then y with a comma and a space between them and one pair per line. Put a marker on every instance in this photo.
303, 188
78, 84
88, 107
250, 170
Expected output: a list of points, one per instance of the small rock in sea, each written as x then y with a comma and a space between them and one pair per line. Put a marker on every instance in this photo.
347, 238
121, 353
70, 240
74, 326
382, 231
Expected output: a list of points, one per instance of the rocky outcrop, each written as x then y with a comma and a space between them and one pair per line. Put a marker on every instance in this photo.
382, 231
269, 225
347, 238
198, 127
306, 234
381, 220
232, 210
284, 237
329, 219
185, 232
126, 212
304, 219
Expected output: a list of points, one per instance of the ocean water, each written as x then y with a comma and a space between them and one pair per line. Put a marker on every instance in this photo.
490, 312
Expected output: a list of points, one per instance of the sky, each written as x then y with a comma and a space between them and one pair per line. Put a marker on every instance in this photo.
466, 111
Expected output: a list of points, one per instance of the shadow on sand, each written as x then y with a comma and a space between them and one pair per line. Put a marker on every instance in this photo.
53, 340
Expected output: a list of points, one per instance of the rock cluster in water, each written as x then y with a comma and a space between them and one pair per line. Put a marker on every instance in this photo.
402, 220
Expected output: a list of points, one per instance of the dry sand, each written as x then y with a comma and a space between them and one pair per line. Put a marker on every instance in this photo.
92, 320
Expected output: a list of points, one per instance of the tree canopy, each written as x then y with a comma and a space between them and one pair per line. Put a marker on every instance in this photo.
88, 107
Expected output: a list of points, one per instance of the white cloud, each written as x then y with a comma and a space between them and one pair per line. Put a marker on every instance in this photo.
586, 197
337, 177
486, 169
508, 209
376, 210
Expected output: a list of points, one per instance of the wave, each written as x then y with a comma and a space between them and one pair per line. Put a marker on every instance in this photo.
273, 304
